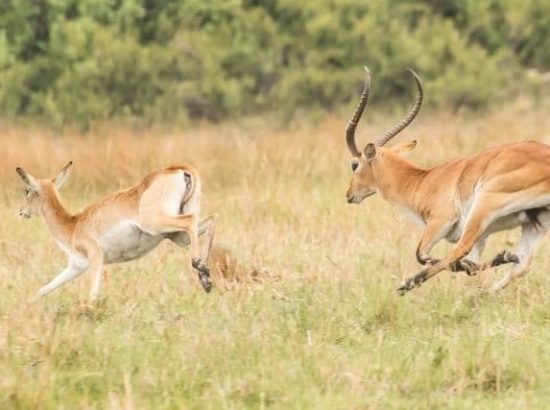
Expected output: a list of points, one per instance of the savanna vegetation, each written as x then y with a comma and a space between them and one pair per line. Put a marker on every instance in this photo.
311, 317
79, 61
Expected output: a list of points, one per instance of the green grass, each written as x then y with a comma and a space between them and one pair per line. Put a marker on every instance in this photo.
322, 327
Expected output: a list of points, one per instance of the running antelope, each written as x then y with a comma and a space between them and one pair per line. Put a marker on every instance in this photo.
124, 225
463, 201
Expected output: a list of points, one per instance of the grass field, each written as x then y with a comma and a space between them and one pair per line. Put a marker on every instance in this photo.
310, 319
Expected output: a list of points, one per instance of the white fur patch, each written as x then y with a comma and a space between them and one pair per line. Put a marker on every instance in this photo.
411, 215
127, 241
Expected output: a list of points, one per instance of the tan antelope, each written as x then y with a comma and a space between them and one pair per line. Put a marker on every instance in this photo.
463, 201
124, 225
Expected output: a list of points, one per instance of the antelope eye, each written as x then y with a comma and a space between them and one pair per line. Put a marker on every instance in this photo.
354, 165
27, 191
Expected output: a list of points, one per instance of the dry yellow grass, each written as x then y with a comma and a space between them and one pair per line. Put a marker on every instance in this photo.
305, 316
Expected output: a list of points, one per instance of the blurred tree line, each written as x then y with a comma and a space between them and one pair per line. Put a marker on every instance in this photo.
76, 61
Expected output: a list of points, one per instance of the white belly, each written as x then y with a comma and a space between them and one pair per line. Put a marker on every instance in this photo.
503, 223
126, 242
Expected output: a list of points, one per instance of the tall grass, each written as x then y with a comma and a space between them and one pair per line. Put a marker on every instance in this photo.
319, 325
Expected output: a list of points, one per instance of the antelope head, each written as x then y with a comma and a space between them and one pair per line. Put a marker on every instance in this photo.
369, 164
35, 188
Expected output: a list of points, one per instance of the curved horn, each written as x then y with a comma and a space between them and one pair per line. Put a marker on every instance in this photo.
388, 135
352, 125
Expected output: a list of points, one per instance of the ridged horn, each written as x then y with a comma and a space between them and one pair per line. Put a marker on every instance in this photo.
388, 135
352, 125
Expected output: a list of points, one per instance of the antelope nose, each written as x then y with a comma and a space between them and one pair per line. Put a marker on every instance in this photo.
24, 213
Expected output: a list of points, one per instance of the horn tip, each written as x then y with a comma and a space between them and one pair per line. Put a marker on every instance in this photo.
414, 73
367, 72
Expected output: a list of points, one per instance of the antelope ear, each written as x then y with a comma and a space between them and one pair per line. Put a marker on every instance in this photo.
28, 179
60, 178
404, 147
370, 152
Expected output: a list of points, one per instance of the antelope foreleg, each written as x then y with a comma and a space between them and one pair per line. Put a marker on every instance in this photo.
479, 217
70, 272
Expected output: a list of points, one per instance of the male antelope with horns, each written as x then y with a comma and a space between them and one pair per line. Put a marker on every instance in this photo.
124, 225
463, 201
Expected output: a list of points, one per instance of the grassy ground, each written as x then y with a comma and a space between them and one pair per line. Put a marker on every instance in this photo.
319, 325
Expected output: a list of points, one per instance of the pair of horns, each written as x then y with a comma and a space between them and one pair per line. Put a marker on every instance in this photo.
392, 132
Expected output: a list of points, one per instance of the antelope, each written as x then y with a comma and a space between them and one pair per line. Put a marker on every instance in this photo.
124, 225
463, 201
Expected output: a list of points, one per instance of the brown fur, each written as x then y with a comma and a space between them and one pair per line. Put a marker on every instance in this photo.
146, 212
514, 175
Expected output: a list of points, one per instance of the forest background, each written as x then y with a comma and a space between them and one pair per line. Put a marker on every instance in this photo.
171, 61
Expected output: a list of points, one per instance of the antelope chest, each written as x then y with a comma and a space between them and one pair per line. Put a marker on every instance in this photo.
411, 215
126, 241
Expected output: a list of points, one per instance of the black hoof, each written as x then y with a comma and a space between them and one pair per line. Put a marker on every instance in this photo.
402, 289
205, 282
409, 285
196, 263
414, 282
505, 257
465, 265
204, 274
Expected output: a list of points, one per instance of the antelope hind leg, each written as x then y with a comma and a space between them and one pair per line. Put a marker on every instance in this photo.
471, 268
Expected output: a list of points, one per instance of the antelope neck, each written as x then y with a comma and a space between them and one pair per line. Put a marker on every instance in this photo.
60, 222
398, 180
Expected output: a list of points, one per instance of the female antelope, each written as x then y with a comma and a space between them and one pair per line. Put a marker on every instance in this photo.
124, 225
